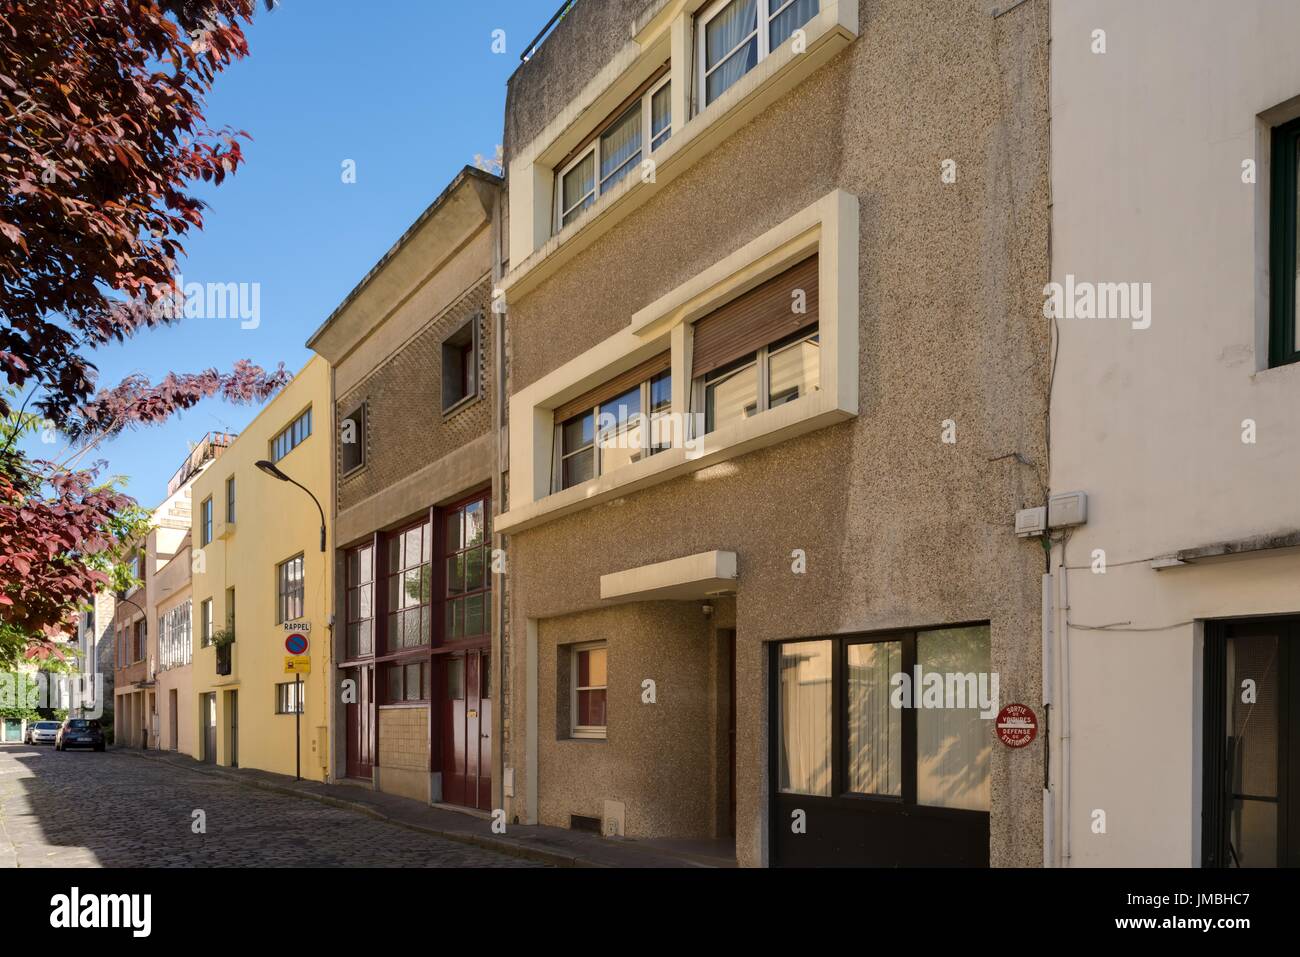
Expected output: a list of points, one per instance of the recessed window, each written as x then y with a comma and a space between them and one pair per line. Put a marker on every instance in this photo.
616, 149
467, 604
289, 590
587, 707
205, 522
746, 359
230, 500
614, 425
737, 34
460, 362
405, 682
288, 699
410, 587
1284, 335
361, 597
294, 434
352, 439
205, 623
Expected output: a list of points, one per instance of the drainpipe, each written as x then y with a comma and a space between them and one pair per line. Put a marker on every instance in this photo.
1064, 716
1049, 681
498, 485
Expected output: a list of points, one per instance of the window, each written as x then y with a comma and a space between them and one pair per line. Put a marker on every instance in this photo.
616, 149
928, 744
230, 609
360, 598
734, 40
289, 590
619, 423
587, 707
405, 682
230, 500
293, 436
352, 440
460, 359
410, 588
467, 602
141, 640
746, 359
1284, 337
205, 522
175, 647
205, 623
287, 698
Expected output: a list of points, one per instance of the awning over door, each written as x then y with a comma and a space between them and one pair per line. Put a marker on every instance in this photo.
693, 577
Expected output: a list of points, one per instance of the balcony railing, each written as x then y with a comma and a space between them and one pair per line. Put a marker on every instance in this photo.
538, 40
207, 448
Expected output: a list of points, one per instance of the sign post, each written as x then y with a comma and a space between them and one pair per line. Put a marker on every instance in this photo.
297, 662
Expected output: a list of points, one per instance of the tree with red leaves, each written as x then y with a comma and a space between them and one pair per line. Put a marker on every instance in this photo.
101, 135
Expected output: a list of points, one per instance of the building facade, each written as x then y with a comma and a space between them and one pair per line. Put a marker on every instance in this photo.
95, 652
777, 389
1175, 606
260, 575
174, 701
412, 353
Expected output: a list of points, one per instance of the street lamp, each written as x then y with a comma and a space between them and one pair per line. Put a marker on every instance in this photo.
272, 470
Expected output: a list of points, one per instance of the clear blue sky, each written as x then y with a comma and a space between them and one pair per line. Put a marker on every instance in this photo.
409, 89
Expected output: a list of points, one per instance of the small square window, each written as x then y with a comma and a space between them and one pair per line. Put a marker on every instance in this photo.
460, 362
352, 439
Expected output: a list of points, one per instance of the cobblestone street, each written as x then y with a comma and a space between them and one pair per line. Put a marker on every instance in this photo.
83, 809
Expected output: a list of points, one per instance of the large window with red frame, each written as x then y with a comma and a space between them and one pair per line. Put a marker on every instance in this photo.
467, 602
410, 588
361, 602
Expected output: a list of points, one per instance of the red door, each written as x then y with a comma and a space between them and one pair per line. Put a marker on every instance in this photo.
467, 774
360, 752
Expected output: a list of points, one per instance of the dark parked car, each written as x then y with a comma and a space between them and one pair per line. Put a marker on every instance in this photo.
80, 733
42, 732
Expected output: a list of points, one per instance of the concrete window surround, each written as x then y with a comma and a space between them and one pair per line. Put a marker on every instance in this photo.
829, 227
666, 34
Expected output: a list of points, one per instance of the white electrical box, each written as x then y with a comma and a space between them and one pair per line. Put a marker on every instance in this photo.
611, 821
1067, 508
1031, 521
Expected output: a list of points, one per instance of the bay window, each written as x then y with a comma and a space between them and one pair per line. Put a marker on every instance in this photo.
616, 148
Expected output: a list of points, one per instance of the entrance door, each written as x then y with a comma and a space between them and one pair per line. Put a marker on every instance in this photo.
208, 715
467, 743
1251, 799
232, 721
360, 760
174, 719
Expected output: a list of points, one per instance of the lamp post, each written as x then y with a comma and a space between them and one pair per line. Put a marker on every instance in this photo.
272, 470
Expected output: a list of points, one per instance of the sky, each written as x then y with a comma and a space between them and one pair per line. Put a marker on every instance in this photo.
410, 90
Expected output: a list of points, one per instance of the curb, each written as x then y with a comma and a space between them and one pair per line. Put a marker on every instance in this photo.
474, 840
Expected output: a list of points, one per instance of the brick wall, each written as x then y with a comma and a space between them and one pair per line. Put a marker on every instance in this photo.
405, 426
404, 738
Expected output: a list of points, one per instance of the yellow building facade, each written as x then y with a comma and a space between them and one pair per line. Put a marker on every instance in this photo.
262, 574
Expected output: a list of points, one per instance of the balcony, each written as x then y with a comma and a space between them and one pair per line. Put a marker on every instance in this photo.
204, 451
225, 659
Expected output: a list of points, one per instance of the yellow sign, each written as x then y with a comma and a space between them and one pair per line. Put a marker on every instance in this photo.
297, 664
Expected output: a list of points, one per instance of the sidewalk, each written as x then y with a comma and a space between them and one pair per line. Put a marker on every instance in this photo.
551, 845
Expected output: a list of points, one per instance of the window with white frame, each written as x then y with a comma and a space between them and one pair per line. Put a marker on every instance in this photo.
289, 697
771, 376
174, 637
293, 435
735, 35
205, 622
613, 426
616, 150
588, 683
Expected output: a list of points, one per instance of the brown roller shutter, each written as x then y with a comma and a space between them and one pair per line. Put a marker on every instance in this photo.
759, 317
614, 387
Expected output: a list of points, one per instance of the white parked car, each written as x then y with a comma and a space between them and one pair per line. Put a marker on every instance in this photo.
43, 732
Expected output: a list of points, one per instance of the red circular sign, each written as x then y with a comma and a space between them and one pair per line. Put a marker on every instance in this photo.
1016, 726
296, 644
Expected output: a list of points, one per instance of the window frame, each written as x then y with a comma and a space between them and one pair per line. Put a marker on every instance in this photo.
230, 500
423, 664
647, 149
588, 732
763, 358
471, 359
1283, 348
288, 692
357, 586
206, 511
442, 585
292, 434
205, 623
763, 28
642, 419
283, 596
358, 410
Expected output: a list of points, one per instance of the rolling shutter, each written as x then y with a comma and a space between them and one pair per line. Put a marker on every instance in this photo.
614, 387
759, 317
